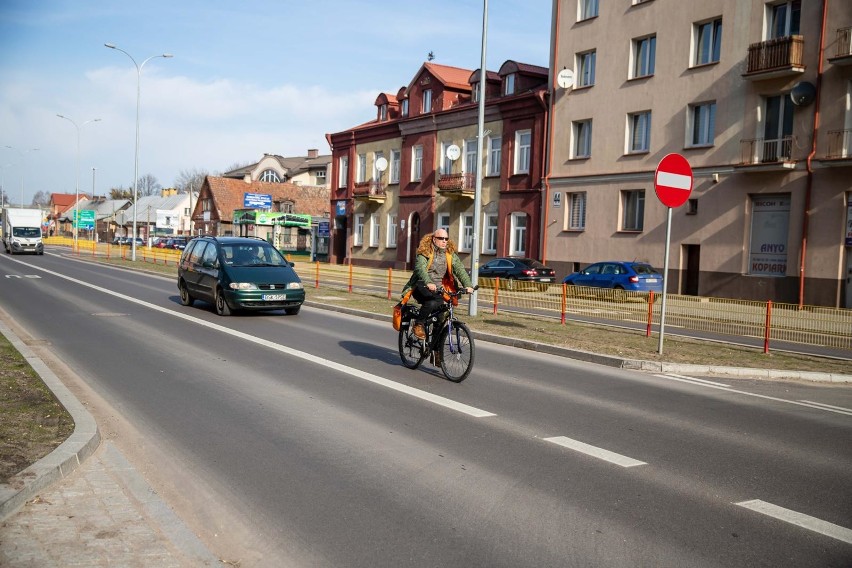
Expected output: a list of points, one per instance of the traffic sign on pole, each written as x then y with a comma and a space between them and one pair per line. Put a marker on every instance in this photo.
673, 180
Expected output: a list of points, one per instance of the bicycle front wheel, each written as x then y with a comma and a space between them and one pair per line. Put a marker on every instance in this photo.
410, 348
457, 351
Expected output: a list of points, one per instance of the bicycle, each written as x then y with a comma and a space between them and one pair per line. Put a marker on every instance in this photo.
448, 343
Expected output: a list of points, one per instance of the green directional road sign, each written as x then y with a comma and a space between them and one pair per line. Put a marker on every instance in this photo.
86, 219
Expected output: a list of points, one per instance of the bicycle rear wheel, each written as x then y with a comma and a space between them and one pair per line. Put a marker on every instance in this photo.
457, 351
410, 348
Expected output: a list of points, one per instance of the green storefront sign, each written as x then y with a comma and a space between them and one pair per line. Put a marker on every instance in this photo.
268, 218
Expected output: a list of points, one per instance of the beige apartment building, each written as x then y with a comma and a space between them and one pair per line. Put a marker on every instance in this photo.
755, 94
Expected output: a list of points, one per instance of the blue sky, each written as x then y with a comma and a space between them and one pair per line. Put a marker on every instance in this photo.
246, 78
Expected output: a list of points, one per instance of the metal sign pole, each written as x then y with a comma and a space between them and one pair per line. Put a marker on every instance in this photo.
665, 280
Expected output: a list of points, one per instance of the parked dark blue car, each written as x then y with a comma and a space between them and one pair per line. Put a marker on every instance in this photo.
635, 276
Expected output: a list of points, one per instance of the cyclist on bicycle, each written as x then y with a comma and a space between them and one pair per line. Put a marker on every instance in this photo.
437, 265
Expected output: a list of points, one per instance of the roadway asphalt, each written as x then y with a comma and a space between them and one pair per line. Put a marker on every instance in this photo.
86, 505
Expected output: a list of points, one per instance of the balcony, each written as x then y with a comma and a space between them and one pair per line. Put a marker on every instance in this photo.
765, 154
457, 185
843, 53
370, 191
779, 57
839, 144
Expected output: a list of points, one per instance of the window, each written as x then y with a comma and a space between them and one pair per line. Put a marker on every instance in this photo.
702, 124
377, 175
587, 9
494, 144
577, 211
383, 112
644, 53
586, 68
509, 84
707, 42
375, 230
396, 156
416, 163
358, 237
427, 101
784, 18
270, 176
777, 129
633, 210
474, 92
470, 151
639, 132
320, 174
392, 227
361, 174
404, 107
489, 242
522, 151
770, 220
443, 222
582, 133
518, 238
466, 233
446, 162
344, 171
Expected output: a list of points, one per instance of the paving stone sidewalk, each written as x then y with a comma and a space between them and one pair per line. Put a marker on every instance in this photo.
102, 514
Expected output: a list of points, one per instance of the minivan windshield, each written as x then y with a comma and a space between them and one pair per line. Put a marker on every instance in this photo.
251, 254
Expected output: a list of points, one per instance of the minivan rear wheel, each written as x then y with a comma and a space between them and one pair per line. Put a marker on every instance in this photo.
185, 297
222, 307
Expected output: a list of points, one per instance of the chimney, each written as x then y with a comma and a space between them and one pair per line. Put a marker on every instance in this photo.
313, 153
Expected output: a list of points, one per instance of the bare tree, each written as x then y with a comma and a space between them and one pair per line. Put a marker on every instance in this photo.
190, 179
41, 199
148, 185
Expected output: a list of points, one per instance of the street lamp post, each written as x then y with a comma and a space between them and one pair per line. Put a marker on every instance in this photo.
136, 159
477, 194
76, 221
23, 166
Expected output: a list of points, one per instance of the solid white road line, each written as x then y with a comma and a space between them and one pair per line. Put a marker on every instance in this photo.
595, 452
416, 393
720, 386
799, 519
840, 409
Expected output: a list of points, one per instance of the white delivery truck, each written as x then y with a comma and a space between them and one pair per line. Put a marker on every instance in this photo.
22, 231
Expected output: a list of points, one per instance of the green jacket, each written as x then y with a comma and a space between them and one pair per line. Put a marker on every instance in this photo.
421, 274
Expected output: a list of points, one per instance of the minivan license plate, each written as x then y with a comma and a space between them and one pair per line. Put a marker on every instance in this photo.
274, 297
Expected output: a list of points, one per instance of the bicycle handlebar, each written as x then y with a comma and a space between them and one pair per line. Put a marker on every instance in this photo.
460, 292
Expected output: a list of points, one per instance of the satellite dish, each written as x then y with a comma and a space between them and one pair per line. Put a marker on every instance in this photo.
565, 79
382, 164
803, 93
453, 152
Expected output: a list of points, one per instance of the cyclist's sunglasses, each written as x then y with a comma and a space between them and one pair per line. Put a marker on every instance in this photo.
441, 238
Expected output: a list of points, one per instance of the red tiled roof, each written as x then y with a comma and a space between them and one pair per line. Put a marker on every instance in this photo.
227, 194
453, 77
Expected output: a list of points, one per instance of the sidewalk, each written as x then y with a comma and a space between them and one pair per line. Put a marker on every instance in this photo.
85, 505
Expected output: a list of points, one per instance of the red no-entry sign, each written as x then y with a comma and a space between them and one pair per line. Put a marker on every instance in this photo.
673, 180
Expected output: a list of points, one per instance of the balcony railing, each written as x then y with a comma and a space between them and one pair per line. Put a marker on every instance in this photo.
766, 150
369, 188
457, 182
844, 42
839, 143
778, 54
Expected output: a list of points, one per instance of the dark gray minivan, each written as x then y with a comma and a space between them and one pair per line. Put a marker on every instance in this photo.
238, 273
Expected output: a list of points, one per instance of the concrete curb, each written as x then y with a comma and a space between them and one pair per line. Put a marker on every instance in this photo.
64, 459
632, 364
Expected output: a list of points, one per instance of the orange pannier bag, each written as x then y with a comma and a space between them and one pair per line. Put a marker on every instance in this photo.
397, 311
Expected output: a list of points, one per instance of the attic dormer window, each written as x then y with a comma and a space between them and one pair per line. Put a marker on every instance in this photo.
427, 101
509, 84
383, 112
474, 92
404, 107
270, 176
